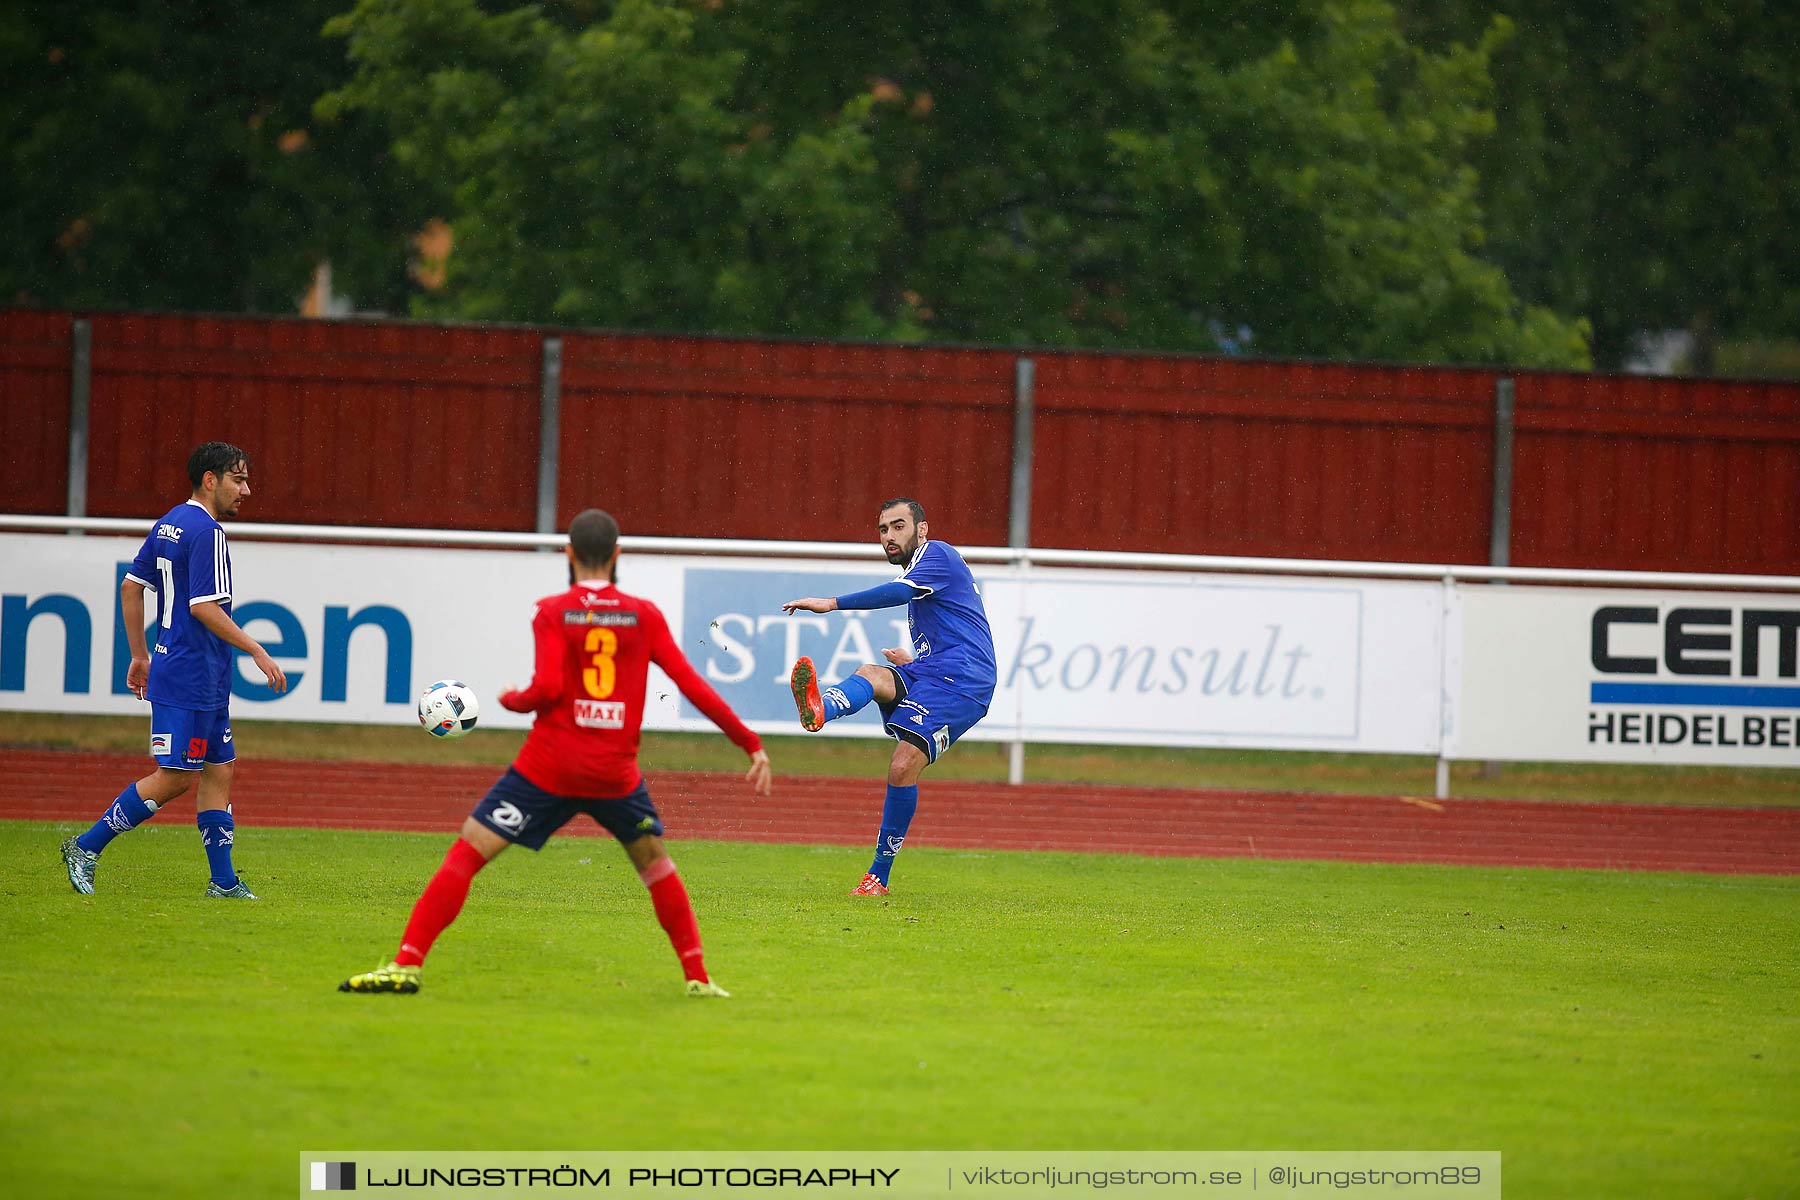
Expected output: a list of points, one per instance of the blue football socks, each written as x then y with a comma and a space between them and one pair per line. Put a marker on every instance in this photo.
216, 828
848, 697
127, 812
896, 815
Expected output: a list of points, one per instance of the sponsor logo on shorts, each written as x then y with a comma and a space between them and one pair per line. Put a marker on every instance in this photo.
507, 815
159, 744
941, 738
647, 824
600, 714
227, 738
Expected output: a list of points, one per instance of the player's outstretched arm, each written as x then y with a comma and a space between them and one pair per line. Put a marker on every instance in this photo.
220, 624
882, 595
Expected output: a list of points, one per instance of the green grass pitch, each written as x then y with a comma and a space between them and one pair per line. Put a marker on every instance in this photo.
1612, 1034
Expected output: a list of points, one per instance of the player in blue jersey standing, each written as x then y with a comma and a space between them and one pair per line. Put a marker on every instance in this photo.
188, 679
930, 693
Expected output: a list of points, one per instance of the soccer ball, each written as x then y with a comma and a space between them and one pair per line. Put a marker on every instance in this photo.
448, 709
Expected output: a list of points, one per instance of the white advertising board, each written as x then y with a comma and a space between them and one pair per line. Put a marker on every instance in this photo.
1149, 658
1211, 660
1592, 675
360, 631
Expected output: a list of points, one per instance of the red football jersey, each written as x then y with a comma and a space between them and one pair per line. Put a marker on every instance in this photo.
595, 645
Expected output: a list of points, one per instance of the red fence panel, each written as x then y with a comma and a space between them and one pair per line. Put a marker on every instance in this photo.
716, 437
1657, 474
35, 350
345, 423
405, 424
1216, 456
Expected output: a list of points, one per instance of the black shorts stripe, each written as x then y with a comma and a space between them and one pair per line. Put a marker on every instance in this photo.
916, 738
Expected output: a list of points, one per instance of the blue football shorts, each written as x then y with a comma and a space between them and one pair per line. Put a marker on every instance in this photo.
186, 739
526, 815
929, 710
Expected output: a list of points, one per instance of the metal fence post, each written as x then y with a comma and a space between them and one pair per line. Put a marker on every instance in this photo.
1500, 532
1018, 530
1500, 523
549, 433
81, 371
1018, 527
1447, 703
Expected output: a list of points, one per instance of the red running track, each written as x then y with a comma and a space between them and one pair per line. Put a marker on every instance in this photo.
60, 786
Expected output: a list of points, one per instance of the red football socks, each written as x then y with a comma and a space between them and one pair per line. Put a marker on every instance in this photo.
442, 900
676, 914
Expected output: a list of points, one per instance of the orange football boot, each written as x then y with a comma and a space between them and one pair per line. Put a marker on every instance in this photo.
806, 696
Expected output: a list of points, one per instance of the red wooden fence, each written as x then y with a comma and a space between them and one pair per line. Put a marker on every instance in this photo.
408, 424
1277, 459
35, 354
784, 440
1657, 474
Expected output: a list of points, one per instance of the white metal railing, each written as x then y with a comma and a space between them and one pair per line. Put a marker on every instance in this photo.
982, 554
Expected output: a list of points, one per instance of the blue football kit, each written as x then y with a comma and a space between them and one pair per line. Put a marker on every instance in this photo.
947, 687
949, 684
185, 561
938, 696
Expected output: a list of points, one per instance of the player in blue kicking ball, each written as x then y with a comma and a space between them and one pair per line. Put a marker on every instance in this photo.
930, 693
188, 679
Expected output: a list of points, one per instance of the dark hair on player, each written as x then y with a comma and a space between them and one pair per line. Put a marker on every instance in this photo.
217, 457
918, 510
594, 536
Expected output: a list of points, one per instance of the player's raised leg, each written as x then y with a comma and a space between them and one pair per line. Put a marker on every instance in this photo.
852, 695
133, 806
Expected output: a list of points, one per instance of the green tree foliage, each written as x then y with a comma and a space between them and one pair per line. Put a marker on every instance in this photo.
603, 176
1125, 173
1644, 167
164, 155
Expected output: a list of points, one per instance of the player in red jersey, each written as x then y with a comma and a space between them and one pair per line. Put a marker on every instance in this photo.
595, 645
